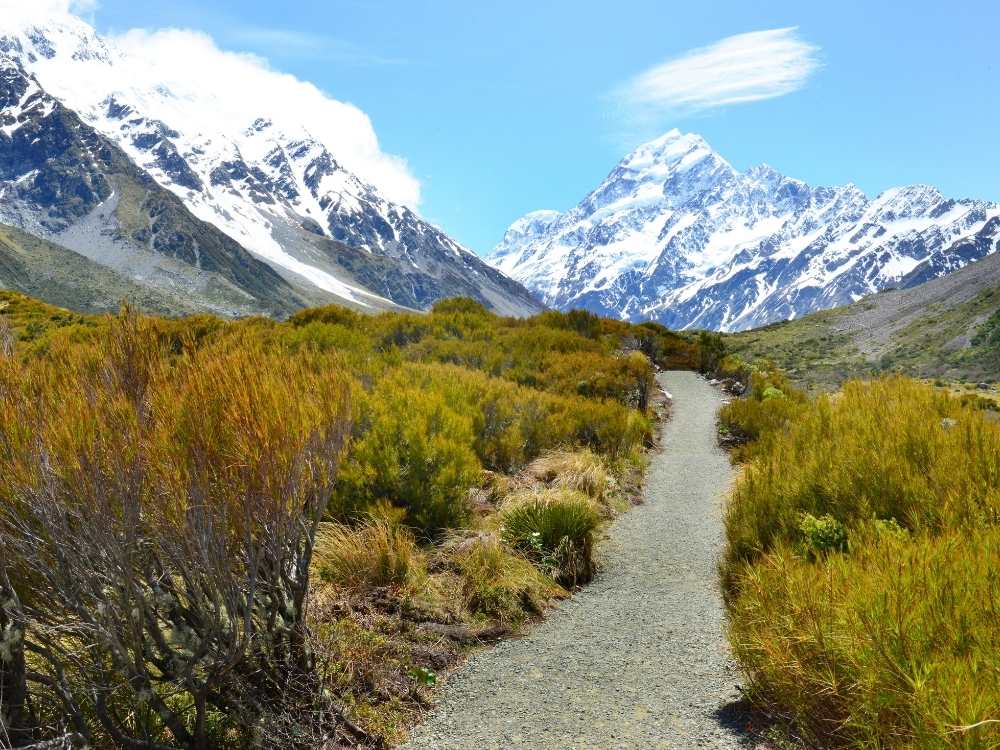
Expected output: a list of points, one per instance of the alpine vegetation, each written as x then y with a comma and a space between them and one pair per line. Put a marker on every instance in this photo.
862, 567
256, 534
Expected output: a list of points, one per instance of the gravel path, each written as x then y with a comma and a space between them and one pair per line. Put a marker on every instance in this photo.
638, 658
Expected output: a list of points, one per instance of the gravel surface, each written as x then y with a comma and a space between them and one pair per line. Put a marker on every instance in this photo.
638, 658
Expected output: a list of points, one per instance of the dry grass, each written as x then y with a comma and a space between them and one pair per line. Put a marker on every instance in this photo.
894, 645
574, 470
375, 553
497, 582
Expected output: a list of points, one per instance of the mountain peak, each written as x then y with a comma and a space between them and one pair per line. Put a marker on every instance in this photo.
671, 150
272, 173
676, 235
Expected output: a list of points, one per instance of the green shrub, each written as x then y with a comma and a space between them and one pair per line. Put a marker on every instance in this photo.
877, 450
414, 452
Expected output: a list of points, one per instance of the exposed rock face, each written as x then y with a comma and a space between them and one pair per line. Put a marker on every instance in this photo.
677, 235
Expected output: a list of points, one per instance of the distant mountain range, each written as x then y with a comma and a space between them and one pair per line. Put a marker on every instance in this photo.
136, 184
676, 234
110, 188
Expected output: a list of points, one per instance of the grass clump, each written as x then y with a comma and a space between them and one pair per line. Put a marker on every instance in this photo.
582, 470
556, 527
862, 568
376, 553
497, 582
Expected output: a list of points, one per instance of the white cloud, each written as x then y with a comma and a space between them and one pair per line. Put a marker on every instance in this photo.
742, 68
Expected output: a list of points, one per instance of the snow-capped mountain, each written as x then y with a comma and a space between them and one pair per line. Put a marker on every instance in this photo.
262, 179
676, 234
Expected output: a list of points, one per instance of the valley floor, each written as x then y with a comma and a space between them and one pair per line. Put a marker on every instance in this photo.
638, 659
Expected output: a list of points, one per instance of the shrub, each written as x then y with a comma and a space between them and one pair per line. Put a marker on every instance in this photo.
878, 450
414, 452
770, 406
891, 642
461, 305
711, 350
556, 528
157, 516
894, 645
375, 553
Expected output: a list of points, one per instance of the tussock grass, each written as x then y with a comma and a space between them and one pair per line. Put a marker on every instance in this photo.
376, 553
556, 527
574, 470
497, 582
862, 569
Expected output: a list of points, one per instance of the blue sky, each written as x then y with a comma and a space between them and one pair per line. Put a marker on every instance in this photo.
503, 108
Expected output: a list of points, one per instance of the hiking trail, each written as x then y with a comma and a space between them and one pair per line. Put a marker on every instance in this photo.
637, 659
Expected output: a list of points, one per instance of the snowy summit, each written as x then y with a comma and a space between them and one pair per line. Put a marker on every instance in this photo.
676, 234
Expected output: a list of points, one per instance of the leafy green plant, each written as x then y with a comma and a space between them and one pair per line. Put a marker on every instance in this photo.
424, 676
822, 535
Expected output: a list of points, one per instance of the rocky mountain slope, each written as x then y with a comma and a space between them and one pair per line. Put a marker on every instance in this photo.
256, 218
676, 234
948, 327
47, 271
65, 183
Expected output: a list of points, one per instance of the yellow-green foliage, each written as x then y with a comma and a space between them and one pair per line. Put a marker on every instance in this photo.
218, 421
142, 488
862, 567
375, 553
892, 448
770, 405
414, 451
894, 645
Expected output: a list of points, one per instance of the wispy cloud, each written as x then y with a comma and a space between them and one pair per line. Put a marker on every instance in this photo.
742, 68
304, 44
